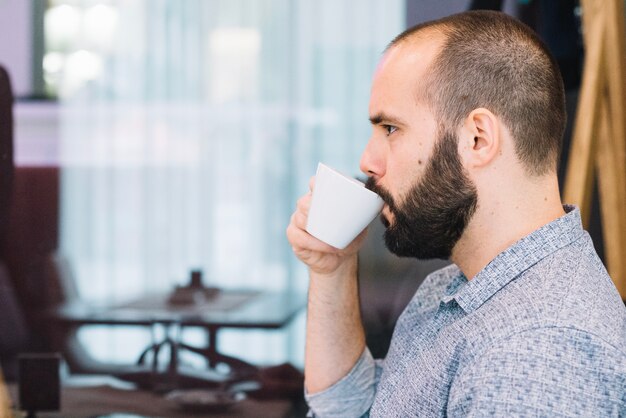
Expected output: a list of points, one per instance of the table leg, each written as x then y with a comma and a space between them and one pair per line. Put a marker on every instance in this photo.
212, 357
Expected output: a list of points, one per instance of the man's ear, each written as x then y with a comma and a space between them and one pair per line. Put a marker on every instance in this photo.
480, 138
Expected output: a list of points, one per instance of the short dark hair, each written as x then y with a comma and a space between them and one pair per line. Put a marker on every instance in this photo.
489, 59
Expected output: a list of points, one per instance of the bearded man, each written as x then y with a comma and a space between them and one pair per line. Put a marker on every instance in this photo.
467, 118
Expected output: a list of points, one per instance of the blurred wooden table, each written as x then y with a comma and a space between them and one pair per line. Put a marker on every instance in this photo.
105, 400
240, 309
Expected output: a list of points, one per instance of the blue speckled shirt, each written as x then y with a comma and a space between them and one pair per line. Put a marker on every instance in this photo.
540, 331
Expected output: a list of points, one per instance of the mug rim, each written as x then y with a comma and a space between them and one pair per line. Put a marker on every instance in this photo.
356, 181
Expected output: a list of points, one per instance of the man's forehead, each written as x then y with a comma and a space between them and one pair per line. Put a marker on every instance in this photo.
400, 74
406, 63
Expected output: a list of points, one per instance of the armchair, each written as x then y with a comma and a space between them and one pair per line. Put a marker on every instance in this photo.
14, 334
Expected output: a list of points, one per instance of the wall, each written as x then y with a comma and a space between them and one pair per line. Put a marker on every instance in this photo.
15, 43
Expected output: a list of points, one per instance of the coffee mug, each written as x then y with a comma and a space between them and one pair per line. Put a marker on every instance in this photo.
341, 207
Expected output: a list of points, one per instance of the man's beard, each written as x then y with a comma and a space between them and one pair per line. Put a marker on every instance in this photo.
436, 210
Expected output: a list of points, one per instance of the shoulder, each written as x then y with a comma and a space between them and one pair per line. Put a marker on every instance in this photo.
572, 290
568, 290
541, 370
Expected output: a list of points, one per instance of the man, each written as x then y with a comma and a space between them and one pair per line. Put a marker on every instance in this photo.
468, 115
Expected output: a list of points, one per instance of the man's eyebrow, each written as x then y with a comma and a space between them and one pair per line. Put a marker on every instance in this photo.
379, 118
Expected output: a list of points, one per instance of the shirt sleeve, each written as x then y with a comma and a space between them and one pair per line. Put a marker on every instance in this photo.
543, 372
353, 395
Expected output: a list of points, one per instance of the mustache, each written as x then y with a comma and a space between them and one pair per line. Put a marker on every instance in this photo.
382, 192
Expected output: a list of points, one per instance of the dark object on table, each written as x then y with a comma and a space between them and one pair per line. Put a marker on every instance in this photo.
39, 385
195, 293
203, 400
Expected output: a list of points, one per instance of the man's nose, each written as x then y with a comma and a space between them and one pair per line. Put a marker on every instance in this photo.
372, 161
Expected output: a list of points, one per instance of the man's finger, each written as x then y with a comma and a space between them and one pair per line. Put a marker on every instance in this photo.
304, 203
302, 240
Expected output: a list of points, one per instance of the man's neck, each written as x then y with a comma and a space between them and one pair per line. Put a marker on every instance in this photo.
500, 222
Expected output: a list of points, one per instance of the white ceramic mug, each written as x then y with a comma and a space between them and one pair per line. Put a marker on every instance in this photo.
341, 207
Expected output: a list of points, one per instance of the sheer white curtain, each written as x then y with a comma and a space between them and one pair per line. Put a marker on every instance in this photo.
191, 145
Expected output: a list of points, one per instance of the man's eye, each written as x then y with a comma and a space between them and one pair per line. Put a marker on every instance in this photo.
390, 129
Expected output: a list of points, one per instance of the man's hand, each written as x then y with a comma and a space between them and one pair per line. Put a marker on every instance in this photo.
320, 257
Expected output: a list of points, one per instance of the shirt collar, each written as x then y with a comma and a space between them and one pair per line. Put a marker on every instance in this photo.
518, 258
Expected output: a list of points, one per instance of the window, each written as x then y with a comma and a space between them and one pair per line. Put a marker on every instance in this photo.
189, 129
